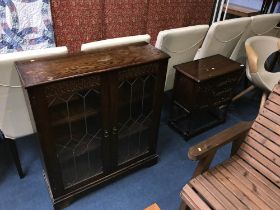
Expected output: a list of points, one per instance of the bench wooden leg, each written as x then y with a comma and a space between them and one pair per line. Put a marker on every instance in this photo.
183, 206
14, 152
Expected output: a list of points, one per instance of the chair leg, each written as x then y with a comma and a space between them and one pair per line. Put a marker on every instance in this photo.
242, 93
14, 152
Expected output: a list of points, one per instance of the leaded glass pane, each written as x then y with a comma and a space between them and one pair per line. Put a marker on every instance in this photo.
75, 118
135, 117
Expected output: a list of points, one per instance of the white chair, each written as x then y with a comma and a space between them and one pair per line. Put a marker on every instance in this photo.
260, 25
222, 37
181, 44
258, 49
115, 42
15, 120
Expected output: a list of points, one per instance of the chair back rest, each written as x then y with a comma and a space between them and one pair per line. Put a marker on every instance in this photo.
181, 44
258, 49
115, 42
260, 25
14, 117
261, 148
222, 37
262, 46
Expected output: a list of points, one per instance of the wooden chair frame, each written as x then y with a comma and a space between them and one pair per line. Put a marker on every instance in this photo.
254, 152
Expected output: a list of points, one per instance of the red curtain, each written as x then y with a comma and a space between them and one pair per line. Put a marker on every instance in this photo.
165, 15
82, 21
125, 19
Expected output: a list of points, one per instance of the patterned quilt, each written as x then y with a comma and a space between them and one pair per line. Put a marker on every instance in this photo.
25, 25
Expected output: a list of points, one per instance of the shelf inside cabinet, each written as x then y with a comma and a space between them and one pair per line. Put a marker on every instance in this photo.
68, 111
136, 100
134, 128
76, 117
78, 147
80, 160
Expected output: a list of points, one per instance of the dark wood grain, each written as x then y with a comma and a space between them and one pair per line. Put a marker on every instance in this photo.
203, 89
209, 67
97, 115
41, 71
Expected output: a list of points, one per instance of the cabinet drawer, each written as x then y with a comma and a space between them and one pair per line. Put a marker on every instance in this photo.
218, 91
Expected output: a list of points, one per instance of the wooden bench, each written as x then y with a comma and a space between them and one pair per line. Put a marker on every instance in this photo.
250, 179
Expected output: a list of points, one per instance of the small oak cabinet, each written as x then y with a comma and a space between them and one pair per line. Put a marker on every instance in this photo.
203, 89
96, 114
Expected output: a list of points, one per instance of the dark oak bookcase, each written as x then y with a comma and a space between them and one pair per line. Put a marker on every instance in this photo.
96, 114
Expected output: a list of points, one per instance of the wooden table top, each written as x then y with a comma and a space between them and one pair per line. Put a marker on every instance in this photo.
209, 67
47, 70
240, 11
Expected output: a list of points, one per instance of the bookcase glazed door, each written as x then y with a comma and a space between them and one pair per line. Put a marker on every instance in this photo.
76, 120
134, 128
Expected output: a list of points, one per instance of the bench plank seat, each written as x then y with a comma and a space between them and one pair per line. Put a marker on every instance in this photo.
250, 179
232, 185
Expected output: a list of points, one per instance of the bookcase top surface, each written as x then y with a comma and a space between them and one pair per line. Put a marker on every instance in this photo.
46, 70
